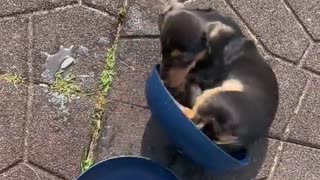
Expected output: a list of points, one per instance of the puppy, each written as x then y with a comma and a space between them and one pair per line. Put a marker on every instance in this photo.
242, 107
183, 45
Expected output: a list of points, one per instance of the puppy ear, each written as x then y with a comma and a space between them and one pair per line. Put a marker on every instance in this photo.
168, 6
217, 34
218, 30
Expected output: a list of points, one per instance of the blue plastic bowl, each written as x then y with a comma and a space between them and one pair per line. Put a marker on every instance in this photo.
190, 140
127, 168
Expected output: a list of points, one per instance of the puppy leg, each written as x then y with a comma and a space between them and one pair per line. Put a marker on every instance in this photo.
195, 92
227, 85
189, 113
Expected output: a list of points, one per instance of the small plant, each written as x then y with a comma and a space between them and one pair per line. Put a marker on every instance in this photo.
86, 162
65, 85
107, 76
122, 13
12, 78
109, 71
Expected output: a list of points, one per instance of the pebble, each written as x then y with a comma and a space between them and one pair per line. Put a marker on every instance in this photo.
84, 51
103, 41
43, 85
67, 62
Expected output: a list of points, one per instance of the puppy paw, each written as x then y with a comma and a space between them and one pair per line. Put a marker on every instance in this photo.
200, 125
189, 113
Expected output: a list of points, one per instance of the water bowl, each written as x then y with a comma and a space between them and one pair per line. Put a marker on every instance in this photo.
184, 134
127, 168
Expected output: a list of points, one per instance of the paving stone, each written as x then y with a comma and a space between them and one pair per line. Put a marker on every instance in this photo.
10, 7
218, 5
274, 26
308, 12
262, 157
291, 84
12, 121
135, 61
142, 17
66, 28
26, 172
298, 162
127, 131
304, 127
123, 130
111, 6
14, 46
224, 9
313, 59
58, 132
269, 160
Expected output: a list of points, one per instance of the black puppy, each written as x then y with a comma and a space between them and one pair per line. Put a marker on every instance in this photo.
183, 46
242, 107
227, 113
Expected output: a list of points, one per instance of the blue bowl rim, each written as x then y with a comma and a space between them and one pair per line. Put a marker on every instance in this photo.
245, 161
131, 157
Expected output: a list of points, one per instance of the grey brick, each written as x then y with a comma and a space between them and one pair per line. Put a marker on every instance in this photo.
142, 17
14, 46
298, 162
305, 125
123, 130
291, 84
313, 59
66, 27
221, 7
26, 172
269, 159
111, 6
12, 121
11, 7
274, 26
224, 9
308, 12
135, 61
58, 132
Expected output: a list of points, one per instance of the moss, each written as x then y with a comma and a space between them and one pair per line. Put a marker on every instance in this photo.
109, 71
122, 13
65, 85
107, 77
12, 78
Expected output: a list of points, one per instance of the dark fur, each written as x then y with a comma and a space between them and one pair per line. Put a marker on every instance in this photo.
185, 31
247, 114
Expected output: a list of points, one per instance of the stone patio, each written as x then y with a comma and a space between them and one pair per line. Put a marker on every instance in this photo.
39, 140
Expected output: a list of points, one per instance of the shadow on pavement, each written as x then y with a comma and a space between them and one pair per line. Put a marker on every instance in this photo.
156, 146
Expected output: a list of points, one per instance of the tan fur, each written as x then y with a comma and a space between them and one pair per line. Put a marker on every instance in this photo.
226, 139
177, 76
218, 29
228, 85
175, 53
